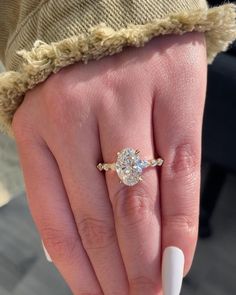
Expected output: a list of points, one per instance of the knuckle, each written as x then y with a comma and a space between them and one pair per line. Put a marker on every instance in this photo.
56, 98
143, 283
112, 80
95, 233
186, 161
65, 107
60, 244
189, 57
58, 106
133, 205
187, 224
112, 83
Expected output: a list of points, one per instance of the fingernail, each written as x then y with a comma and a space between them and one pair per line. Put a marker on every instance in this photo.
172, 270
49, 259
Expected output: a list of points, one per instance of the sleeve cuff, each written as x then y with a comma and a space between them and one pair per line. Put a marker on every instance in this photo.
43, 59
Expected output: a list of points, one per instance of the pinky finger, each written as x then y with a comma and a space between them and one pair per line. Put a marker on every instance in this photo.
53, 217
177, 129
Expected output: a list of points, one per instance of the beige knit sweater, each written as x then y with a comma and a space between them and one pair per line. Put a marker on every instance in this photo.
39, 37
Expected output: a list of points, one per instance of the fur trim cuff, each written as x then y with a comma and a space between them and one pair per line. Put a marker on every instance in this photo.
217, 23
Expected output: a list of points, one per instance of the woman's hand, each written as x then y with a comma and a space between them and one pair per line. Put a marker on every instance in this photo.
103, 236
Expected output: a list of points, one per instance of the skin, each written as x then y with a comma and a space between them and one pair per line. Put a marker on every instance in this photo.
103, 236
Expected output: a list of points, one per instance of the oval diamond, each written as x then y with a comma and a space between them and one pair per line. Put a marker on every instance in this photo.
129, 166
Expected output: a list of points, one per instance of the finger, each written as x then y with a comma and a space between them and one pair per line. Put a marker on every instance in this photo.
91, 206
177, 121
136, 208
53, 217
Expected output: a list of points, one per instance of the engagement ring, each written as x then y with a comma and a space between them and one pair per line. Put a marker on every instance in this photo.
129, 166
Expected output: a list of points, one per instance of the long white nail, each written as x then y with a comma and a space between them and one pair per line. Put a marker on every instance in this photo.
49, 259
172, 270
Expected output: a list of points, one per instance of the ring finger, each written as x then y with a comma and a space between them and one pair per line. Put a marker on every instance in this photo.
136, 208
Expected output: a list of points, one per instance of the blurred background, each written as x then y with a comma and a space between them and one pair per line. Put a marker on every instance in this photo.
23, 267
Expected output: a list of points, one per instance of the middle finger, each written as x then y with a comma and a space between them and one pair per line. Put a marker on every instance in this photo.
88, 196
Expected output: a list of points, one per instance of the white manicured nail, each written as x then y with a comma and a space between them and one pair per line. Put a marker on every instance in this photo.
49, 259
172, 270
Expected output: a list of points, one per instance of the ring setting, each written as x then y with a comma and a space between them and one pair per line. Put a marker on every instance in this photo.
129, 166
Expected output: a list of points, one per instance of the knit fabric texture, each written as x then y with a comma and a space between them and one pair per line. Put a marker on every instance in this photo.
38, 38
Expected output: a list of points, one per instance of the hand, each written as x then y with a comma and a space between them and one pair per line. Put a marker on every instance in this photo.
103, 236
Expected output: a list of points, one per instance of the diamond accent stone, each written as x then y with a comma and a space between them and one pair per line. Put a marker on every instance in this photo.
156, 162
129, 166
100, 166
